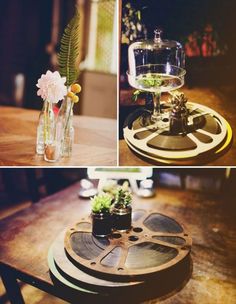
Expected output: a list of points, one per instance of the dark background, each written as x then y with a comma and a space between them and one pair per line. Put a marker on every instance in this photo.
17, 185
178, 19
25, 31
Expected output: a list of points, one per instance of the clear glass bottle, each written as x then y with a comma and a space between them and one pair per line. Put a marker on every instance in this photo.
40, 143
51, 151
68, 140
65, 129
49, 121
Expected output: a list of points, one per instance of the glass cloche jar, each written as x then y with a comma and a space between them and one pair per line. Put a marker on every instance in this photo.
156, 66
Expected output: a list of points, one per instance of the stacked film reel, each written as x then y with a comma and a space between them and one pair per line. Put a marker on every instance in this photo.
155, 250
208, 135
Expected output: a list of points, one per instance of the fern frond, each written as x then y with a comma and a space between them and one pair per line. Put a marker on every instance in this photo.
69, 50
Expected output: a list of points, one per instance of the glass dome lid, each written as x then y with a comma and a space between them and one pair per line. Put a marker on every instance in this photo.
156, 66
155, 51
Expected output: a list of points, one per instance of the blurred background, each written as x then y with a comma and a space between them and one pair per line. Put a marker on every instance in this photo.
206, 30
204, 27
30, 33
19, 188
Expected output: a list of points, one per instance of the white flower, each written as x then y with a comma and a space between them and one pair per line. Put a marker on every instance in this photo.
52, 87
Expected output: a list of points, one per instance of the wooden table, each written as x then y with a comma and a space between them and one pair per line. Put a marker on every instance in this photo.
221, 100
26, 238
95, 140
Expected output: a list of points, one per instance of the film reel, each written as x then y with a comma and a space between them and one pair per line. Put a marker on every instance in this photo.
154, 244
208, 133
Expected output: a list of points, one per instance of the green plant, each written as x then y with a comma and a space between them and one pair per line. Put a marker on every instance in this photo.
123, 197
69, 50
151, 80
148, 81
110, 187
136, 94
101, 203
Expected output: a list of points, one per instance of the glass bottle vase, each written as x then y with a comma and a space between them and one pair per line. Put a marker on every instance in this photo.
40, 131
65, 129
66, 149
52, 146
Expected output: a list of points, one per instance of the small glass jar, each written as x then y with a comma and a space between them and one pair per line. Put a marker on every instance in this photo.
101, 224
122, 218
52, 152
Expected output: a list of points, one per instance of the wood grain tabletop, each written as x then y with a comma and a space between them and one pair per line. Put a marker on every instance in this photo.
223, 103
95, 140
27, 235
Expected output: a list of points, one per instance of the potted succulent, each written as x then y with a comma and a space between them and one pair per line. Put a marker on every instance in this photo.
110, 187
101, 216
122, 210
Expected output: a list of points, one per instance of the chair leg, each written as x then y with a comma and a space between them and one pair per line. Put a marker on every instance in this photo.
12, 287
32, 184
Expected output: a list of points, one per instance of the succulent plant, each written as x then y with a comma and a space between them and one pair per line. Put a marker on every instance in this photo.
101, 203
110, 187
123, 197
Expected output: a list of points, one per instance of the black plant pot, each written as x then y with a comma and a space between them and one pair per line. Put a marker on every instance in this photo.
121, 218
101, 224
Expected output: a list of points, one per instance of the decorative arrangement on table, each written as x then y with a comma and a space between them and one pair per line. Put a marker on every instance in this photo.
111, 211
55, 133
176, 131
118, 247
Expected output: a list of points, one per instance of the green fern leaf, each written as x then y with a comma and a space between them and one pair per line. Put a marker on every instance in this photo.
69, 51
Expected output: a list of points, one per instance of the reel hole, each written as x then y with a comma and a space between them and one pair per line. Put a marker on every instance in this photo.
137, 229
116, 235
133, 238
165, 119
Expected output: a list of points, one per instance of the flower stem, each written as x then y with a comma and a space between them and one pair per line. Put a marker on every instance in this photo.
68, 118
45, 121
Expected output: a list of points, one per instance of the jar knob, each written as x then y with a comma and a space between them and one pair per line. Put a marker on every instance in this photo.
157, 35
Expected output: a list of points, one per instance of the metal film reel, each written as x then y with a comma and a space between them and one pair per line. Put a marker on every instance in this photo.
62, 267
155, 243
207, 132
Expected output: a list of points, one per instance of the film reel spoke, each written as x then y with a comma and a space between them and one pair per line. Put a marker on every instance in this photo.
198, 143
193, 107
213, 136
148, 138
166, 234
142, 129
104, 253
193, 116
123, 257
163, 243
